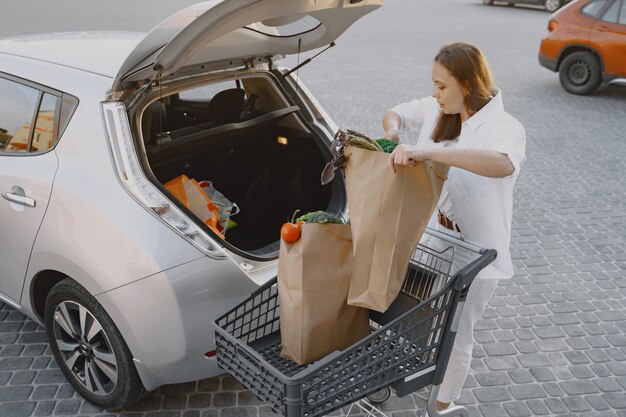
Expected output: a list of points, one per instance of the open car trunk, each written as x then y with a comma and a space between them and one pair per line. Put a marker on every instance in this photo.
254, 143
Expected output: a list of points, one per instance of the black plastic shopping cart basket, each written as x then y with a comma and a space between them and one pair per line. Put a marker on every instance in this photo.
407, 349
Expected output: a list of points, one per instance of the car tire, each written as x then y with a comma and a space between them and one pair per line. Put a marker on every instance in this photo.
552, 5
488, 2
89, 349
580, 73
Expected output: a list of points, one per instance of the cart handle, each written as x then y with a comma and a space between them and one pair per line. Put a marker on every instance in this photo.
467, 274
455, 240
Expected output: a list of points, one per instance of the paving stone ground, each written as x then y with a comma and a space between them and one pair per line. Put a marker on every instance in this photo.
553, 338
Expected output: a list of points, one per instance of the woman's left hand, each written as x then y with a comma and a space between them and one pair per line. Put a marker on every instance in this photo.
405, 155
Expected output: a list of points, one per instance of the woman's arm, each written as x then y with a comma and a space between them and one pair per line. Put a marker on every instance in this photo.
485, 162
391, 126
408, 116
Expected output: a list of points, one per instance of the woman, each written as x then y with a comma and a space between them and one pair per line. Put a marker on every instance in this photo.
464, 125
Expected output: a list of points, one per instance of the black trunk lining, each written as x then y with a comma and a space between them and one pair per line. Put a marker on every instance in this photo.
267, 180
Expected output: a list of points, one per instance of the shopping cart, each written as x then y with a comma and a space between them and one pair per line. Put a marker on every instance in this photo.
407, 349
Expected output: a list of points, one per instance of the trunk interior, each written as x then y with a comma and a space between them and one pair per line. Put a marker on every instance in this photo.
254, 148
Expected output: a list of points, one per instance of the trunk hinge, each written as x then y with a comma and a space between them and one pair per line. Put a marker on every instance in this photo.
154, 82
249, 63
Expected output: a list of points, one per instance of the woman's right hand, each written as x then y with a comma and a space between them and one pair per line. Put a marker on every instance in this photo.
393, 134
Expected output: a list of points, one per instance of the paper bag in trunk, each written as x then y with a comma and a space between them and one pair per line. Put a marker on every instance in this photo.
388, 213
313, 282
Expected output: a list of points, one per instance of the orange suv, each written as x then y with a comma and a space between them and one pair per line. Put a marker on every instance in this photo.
586, 44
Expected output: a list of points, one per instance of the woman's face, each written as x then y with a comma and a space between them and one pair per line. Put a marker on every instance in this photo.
448, 91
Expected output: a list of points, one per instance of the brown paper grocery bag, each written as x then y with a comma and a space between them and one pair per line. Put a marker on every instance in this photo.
313, 282
388, 213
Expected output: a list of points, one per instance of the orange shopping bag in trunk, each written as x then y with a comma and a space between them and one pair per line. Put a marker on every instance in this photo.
188, 191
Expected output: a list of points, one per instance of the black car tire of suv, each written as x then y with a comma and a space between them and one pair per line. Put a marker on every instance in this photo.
89, 349
580, 73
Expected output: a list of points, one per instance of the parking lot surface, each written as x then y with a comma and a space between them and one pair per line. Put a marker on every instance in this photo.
553, 338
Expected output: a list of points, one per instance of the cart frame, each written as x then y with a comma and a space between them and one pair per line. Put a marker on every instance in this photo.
408, 349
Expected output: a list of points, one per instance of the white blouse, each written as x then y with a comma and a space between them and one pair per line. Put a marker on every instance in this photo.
481, 206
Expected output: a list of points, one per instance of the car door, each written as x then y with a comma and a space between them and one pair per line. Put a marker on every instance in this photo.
609, 35
28, 131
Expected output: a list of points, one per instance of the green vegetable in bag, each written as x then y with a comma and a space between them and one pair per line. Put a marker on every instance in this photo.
320, 217
387, 145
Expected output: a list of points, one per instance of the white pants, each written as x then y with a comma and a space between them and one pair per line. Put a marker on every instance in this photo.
477, 298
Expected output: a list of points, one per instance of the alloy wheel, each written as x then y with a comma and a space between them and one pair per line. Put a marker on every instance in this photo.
552, 5
85, 348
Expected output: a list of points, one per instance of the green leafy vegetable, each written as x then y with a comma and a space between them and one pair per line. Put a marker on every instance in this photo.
321, 217
387, 145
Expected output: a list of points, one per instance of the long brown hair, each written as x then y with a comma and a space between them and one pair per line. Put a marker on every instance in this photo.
469, 67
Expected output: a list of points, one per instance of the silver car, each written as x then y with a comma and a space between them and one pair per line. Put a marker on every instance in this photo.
125, 274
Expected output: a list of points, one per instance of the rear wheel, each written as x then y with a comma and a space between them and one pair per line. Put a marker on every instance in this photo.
552, 5
89, 349
580, 73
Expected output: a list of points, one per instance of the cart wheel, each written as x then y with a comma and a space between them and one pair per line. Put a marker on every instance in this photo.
380, 396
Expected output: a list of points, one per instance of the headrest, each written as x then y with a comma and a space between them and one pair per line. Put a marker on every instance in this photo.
226, 106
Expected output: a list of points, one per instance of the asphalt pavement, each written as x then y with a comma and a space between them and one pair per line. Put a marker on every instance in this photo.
553, 338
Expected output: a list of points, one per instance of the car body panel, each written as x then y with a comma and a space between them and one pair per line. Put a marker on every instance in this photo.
218, 31
547, 63
573, 29
172, 342
610, 41
99, 53
33, 174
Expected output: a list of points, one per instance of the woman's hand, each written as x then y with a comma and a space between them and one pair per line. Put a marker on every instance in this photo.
393, 134
484, 162
404, 155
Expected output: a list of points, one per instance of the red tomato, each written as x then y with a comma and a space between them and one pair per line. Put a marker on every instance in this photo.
290, 232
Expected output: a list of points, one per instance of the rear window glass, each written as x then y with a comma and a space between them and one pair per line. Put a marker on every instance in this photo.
32, 118
593, 8
17, 108
43, 137
205, 92
611, 13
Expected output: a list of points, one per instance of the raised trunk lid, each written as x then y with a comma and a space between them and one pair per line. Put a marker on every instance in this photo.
222, 33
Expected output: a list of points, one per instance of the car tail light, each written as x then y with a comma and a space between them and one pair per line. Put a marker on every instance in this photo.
552, 25
130, 174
